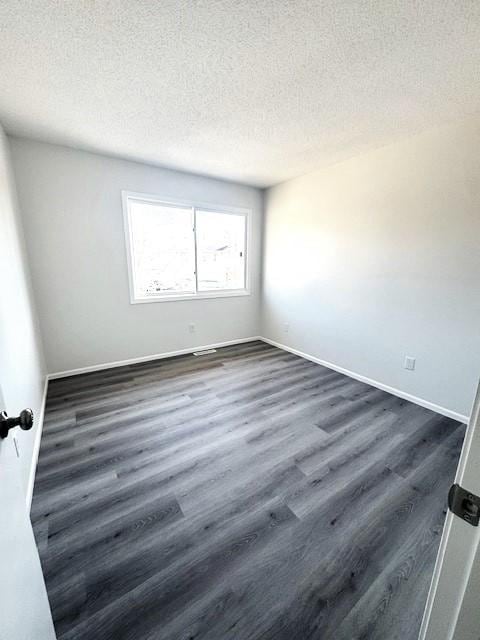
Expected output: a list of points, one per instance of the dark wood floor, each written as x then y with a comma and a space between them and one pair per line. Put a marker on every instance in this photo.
245, 495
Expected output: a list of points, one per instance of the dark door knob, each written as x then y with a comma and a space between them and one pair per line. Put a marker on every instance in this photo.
24, 421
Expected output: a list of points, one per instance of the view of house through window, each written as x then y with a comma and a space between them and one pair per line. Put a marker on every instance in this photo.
176, 250
220, 250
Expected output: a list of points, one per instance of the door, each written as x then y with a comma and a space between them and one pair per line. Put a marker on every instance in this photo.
24, 609
453, 606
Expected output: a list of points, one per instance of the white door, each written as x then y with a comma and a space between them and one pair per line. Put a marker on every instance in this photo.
453, 606
24, 609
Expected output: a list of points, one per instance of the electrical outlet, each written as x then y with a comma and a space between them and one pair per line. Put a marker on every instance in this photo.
409, 363
286, 327
191, 328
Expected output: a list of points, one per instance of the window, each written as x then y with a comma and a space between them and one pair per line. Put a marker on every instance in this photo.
178, 250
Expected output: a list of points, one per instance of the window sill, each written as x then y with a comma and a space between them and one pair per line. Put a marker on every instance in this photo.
192, 296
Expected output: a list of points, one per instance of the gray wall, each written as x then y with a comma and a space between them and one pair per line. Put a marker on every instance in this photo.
22, 368
379, 257
71, 202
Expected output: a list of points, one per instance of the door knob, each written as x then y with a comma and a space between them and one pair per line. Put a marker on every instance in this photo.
24, 421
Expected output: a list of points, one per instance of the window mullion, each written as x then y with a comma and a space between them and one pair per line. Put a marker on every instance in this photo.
195, 247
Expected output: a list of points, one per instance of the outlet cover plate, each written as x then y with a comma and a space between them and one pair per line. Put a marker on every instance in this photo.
409, 363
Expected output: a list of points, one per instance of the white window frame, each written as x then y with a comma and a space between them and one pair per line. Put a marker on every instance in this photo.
127, 196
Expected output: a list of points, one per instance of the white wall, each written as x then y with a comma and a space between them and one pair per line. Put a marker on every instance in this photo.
379, 257
22, 368
71, 203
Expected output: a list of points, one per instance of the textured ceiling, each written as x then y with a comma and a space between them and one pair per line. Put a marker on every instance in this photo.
251, 90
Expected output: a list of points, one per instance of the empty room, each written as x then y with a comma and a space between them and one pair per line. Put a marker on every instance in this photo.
239, 320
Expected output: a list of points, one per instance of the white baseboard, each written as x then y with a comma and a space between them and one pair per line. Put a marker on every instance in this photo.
36, 447
157, 356
374, 383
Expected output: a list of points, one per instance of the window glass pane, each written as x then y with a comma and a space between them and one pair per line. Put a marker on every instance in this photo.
220, 251
163, 249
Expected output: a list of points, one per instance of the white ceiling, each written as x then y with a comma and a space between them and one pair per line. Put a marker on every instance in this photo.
251, 90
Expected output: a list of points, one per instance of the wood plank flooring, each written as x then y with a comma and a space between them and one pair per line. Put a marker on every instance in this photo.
244, 495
